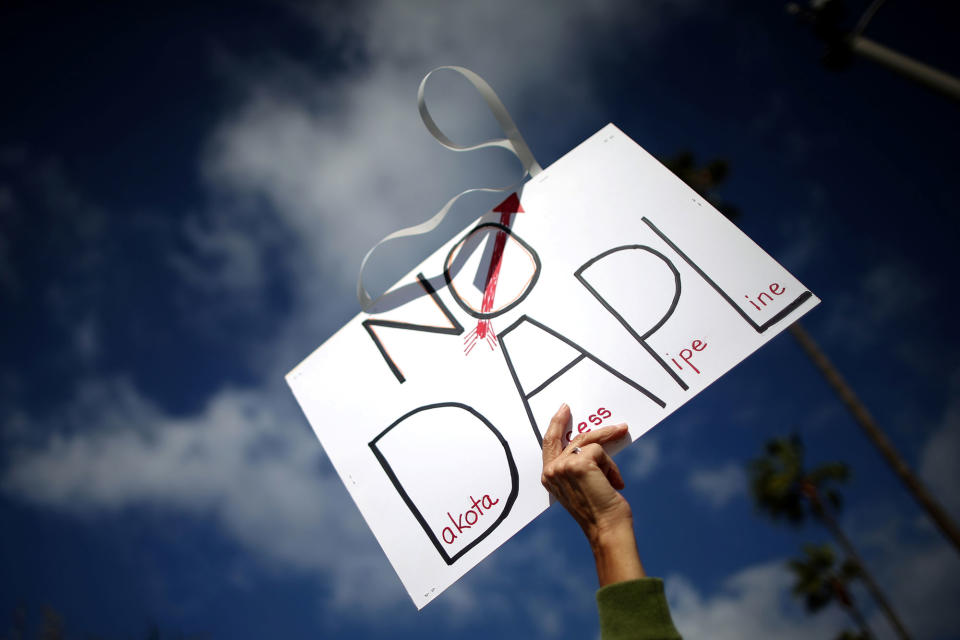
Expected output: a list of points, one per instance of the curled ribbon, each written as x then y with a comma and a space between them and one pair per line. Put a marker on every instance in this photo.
514, 143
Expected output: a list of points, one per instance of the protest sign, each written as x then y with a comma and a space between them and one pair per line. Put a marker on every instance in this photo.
607, 284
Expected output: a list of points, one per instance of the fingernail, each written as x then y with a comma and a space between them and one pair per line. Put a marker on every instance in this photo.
562, 407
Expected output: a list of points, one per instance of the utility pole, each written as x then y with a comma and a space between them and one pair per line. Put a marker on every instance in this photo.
825, 17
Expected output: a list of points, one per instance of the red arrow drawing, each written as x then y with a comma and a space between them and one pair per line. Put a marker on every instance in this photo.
506, 209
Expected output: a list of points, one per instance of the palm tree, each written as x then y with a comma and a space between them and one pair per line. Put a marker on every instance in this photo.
52, 628
703, 179
819, 582
783, 488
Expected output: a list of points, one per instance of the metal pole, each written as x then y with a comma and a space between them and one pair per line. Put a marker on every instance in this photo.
904, 65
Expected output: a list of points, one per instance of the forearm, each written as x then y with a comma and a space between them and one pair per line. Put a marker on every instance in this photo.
615, 553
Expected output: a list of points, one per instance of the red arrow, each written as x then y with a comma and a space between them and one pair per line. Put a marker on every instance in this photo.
506, 209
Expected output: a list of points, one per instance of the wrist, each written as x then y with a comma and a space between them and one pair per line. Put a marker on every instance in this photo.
615, 552
611, 535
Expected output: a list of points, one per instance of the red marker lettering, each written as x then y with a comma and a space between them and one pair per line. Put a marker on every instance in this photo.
468, 518
686, 354
596, 419
775, 289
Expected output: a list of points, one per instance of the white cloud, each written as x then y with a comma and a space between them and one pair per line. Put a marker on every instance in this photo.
228, 251
345, 160
916, 568
921, 580
641, 458
234, 455
923, 584
719, 486
752, 603
938, 460
245, 460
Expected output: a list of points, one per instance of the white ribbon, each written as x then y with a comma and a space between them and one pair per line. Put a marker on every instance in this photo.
514, 143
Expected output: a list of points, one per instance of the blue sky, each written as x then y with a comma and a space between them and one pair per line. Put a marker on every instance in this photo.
185, 194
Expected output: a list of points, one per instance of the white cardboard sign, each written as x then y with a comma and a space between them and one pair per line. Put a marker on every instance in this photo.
609, 285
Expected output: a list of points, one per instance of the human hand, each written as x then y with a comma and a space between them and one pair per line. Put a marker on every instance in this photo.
587, 481
584, 478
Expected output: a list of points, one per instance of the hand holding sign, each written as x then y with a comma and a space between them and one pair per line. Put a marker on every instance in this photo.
586, 481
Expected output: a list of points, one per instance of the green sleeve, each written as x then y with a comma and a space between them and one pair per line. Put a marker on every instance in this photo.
635, 610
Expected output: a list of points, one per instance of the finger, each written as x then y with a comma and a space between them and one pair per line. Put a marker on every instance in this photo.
599, 436
612, 471
552, 444
603, 460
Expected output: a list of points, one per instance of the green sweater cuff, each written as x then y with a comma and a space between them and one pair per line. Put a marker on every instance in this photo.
635, 610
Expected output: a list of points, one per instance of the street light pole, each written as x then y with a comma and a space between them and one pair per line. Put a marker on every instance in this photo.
907, 66
825, 17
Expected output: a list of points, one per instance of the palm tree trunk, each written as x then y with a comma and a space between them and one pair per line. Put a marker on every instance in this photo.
828, 520
863, 418
849, 604
859, 620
